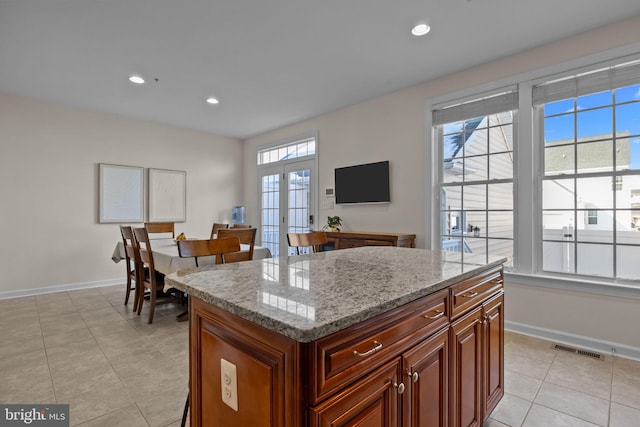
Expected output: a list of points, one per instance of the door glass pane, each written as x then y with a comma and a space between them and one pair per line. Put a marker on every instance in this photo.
270, 213
298, 196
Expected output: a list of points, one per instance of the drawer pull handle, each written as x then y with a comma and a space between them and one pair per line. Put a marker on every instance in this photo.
469, 295
439, 314
400, 387
378, 346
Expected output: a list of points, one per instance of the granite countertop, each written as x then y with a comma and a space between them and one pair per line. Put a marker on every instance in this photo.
307, 297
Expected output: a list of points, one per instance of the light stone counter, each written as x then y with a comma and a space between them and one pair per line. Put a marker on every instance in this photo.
310, 296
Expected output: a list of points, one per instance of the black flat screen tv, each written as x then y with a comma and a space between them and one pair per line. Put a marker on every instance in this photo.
368, 183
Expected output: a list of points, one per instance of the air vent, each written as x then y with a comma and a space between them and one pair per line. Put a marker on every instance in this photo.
578, 351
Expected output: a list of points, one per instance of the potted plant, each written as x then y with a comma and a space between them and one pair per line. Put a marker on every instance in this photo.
333, 223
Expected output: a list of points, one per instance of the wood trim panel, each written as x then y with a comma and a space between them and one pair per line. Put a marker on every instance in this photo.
260, 356
493, 354
356, 239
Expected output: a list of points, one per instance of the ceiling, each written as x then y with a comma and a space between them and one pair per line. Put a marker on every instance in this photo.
270, 62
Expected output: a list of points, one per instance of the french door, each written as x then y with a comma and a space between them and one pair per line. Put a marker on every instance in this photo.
287, 202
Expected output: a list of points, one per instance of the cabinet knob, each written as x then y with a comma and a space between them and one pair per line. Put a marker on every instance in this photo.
414, 376
400, 387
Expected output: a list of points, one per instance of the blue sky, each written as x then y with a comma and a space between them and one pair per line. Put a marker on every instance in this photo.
594, 117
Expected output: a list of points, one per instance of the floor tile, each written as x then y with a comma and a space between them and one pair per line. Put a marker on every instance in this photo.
21, 346
521, 385
125, 417
68, 337
164, 408
97, 402
625, 389
623, 416
575, 403
582, 373
540, 416
511, 410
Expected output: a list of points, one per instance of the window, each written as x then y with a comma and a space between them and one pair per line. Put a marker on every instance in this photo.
280, 153
590, 142
476, 188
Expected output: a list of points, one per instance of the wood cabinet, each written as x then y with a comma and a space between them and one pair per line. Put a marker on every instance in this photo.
356, 239
477, 362
436, 361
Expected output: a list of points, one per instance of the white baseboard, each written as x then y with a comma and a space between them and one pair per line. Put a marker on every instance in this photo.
59, 288
605, 347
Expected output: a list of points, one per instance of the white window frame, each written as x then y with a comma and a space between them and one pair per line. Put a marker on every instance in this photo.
527, 157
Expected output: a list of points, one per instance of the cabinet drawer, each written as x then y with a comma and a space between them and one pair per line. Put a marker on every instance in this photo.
471, 292
379, 243
350, 243
346, 355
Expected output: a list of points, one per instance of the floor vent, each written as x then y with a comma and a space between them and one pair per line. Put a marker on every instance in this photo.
578, 351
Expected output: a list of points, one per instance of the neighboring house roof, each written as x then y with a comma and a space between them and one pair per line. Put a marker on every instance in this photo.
559, 155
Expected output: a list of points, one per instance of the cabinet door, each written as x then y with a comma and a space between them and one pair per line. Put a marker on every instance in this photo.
493, 354
466, 359
370, 402
425, 369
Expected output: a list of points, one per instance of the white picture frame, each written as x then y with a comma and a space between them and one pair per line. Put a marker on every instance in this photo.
167, 195
121, 194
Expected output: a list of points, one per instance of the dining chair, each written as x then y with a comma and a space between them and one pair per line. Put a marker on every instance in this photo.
150, 278
247, 236
217, 226
240, 226
133, 265
160, 227
313, 239
208, 247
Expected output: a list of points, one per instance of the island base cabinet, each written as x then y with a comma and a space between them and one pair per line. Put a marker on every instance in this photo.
425, 369
265, 369
477, 363
370, 402
493, 354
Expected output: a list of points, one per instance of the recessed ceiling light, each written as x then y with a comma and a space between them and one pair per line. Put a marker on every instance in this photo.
136, 79
212, 100
420, 30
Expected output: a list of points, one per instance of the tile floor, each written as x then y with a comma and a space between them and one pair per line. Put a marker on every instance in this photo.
87, 349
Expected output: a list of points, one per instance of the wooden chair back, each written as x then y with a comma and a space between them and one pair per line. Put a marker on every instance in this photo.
212, 247
217, 226
313, 239
247, 236
240, 226
133, 264
149, 278
160, 227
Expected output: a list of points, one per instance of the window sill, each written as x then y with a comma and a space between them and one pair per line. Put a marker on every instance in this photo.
619, 289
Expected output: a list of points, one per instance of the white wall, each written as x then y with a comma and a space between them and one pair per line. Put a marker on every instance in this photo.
394, 128
48, 184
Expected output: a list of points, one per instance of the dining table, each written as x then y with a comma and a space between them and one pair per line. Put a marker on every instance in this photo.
167, 260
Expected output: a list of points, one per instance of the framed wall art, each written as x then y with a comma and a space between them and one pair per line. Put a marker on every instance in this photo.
121, 198
167, 195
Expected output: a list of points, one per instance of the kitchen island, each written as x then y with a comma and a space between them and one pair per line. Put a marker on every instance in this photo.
365, 336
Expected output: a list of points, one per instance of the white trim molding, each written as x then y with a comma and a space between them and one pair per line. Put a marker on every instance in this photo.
59, 288
605, 347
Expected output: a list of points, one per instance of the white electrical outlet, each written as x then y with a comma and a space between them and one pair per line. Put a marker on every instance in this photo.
229, 384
